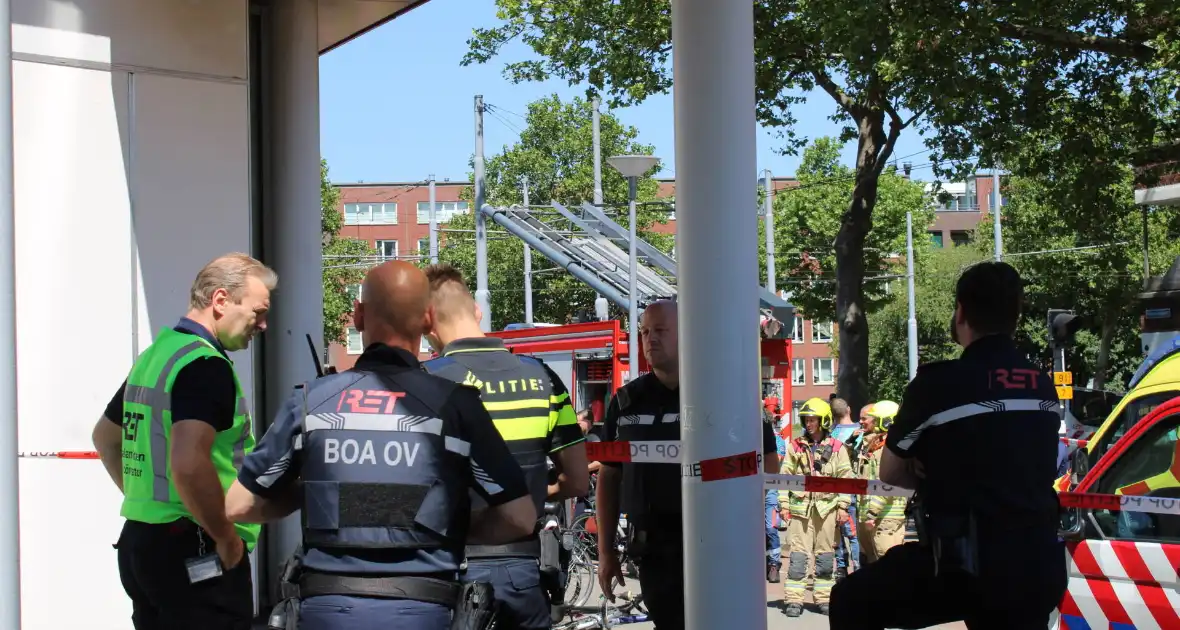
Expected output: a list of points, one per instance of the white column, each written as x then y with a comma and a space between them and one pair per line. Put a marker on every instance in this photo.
713, 62
293, 242
10, 613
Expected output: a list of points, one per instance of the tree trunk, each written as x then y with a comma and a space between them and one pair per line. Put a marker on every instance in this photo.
852, 384
1102, 364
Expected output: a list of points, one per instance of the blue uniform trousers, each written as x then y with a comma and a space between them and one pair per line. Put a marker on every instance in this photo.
847, 530
774, 548
340, 612
524, 603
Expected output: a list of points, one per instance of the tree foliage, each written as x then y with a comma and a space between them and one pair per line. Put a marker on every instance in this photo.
807, 219
935, 274
555, 152
981, 76
344, 262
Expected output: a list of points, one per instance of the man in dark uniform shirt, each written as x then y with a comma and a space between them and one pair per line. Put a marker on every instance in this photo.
976, 438
648, 409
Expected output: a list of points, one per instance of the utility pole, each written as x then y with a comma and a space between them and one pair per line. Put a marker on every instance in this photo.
482, 297
433, 225
909, 276
10, 614
768, 224
600, 305
996, 211
528, 262
716, 152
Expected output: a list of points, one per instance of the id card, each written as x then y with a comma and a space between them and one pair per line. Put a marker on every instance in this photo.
203, 568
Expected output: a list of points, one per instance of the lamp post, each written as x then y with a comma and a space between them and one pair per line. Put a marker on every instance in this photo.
633, 167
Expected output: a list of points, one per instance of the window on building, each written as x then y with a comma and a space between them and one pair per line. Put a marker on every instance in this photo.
424, 246
443, 211
936, 238
823, 372
354, 293
370, 214
797, 334
386, 249
821, 332
960, 237
355, 345
798, 371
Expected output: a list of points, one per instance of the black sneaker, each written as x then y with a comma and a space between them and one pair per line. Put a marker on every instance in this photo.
841, 573
772, 574
823, 609
793, 610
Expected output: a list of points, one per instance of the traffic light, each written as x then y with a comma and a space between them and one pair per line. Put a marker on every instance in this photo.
1063, 325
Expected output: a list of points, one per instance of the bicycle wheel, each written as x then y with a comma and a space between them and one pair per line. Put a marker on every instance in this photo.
580, 578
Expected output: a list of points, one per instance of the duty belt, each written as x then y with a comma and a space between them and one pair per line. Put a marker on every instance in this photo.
400, 587
526, 548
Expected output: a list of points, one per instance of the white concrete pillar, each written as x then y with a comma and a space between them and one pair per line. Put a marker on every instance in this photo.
292, 223
713, 65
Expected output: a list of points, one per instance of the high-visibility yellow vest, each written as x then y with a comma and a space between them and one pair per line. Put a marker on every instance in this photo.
149, 494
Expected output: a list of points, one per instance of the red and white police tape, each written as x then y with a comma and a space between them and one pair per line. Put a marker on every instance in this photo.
750, 464
57, 454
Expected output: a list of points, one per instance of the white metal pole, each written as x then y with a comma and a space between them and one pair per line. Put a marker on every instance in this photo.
600, 305
292, 232
768, 225
913, 318
10, 613
713, 66
528, 262
433, 225
996, 213
482, 297
633, 287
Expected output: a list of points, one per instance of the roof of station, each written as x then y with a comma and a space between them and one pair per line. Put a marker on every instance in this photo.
342, 21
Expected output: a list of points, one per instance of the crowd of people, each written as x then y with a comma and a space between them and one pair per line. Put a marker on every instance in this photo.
421, 484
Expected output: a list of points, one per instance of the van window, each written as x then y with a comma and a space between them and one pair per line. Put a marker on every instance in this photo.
1132, 413
1151, 456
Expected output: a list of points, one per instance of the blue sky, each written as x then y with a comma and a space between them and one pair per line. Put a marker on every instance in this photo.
397, 106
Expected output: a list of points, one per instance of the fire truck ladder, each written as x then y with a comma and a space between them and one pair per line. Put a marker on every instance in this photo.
589, 257
600, 256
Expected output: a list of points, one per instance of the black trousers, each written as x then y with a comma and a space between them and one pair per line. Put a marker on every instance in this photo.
152, 569
661, 580
1017, 588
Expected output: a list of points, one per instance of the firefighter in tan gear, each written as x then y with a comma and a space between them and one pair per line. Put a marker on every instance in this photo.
881, 520
811, 532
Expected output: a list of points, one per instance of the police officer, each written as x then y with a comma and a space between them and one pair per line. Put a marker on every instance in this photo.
531, 409
648, 408
380, 459
976, 437
171, 439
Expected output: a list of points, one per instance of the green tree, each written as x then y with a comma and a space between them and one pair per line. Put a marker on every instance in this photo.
809, 217
344, 261
555, 152
980, 75
935, 275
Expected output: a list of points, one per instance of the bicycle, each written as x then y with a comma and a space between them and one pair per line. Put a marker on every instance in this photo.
606, 614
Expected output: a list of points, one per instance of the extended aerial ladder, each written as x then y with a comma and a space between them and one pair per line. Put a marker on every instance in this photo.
596, 252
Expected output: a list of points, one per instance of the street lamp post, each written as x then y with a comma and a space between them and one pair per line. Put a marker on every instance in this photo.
633, 167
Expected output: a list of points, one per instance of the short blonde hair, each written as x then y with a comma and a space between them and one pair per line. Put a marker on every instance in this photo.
449, 294
229, 272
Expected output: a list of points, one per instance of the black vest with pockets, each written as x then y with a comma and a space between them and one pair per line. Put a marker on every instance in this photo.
381, 469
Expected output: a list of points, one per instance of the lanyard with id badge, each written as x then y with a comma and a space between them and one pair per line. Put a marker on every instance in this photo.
205, 566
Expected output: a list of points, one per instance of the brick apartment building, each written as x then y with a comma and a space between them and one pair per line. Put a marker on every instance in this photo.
394, 218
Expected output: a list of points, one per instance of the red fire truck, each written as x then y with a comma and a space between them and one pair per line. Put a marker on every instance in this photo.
593, 360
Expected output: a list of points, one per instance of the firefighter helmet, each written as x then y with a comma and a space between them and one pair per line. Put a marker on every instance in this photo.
884, 412
816, 407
